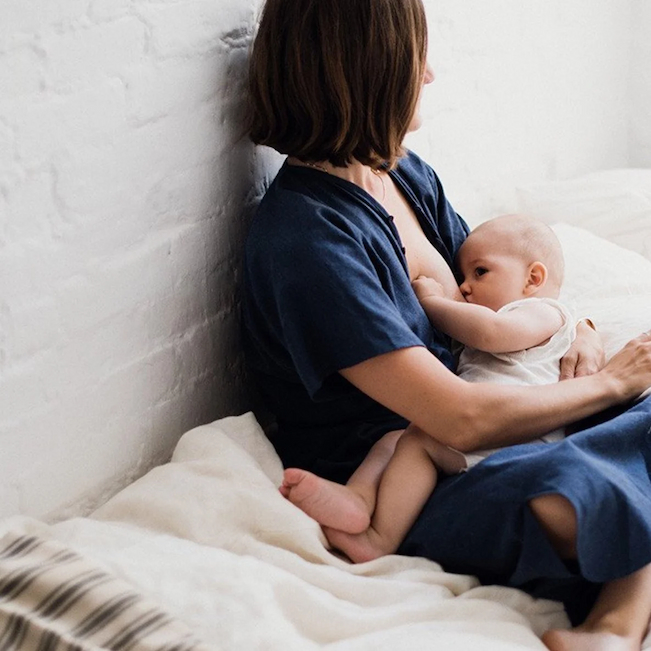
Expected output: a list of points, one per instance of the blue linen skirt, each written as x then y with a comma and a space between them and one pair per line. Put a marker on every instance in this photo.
479, 522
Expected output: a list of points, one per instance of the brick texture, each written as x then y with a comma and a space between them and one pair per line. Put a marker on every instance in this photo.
124, 193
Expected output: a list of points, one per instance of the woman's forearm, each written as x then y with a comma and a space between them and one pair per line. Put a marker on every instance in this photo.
499, 415
414, 384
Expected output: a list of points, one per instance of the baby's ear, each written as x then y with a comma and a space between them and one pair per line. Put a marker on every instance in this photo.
536, 278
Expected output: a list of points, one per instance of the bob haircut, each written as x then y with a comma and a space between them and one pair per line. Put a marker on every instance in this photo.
337, 80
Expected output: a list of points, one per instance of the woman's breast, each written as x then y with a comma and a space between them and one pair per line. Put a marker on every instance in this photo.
424, 260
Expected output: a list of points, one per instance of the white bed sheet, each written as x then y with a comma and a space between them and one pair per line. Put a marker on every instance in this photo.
209, 537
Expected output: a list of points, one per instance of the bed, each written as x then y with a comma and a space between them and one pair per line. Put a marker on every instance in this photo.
204, 553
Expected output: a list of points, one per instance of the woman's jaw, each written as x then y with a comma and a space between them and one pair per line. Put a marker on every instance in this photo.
417, 119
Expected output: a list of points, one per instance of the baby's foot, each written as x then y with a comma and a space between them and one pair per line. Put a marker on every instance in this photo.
329, 503
580, 640
359, 548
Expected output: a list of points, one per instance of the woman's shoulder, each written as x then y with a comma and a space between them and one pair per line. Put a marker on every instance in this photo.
301, 200
413, 167
305, 215
289, 191
412, 162
418, 178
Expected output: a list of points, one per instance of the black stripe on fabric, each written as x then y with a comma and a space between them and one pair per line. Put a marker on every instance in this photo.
66, 595
144, 625
178, 646
18, 580
49, 641
20, 546
58, 599
25, 545
14, 632
73, 646
104, 615
189, 645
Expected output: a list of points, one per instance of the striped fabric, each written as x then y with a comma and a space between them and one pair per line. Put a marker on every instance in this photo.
53, 599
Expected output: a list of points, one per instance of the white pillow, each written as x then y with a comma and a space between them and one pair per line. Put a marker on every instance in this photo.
615, 204
607, 283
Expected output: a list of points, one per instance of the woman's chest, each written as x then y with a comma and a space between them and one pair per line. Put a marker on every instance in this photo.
422, 257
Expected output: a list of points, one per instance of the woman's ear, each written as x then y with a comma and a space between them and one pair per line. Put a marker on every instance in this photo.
536, 278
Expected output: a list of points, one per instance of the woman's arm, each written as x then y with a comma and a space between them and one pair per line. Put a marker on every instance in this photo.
493, 332
466, 416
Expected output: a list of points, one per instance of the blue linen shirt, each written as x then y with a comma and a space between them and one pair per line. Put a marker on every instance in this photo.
326, 286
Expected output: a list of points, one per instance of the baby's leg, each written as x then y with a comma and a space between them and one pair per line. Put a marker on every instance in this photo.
347, 508
446, 459
406, 485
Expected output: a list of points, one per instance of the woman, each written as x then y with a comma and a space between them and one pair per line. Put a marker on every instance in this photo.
343, 353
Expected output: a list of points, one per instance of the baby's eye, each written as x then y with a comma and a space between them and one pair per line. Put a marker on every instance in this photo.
480, 271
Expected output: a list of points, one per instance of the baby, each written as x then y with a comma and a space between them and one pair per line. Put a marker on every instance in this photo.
504, 262
513, 330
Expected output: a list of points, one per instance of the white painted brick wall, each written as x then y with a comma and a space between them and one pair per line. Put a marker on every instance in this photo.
125, 187
641, 85
124, 191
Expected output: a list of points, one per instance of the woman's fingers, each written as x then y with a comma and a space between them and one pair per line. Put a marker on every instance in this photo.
631, 366
585, 356
585, 367
569, 366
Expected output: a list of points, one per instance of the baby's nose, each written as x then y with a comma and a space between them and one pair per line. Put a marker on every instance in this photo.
464, 288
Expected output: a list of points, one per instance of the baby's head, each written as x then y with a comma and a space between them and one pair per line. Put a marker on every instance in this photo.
509, 258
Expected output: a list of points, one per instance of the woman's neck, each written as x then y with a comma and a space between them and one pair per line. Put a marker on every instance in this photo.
355, 172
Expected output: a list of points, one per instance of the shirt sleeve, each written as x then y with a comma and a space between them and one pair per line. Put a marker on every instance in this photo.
337, 302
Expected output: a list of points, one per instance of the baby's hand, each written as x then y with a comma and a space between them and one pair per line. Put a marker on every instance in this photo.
425, 287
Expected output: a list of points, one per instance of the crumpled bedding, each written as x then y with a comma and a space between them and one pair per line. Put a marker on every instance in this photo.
210, 538
211, 541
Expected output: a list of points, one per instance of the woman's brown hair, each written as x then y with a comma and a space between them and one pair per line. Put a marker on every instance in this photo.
337, 80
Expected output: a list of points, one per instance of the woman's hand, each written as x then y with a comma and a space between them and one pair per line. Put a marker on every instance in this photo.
631, 367
586, 354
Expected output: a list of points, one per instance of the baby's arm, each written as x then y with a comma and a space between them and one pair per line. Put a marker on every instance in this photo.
481, 328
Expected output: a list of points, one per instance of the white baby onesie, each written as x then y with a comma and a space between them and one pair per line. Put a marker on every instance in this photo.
533, 366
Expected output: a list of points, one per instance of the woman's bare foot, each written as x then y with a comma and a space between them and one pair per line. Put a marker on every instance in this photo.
585, 640
361, 547
329, 503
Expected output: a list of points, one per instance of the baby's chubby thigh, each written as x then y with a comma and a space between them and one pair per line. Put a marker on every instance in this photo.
445, 458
